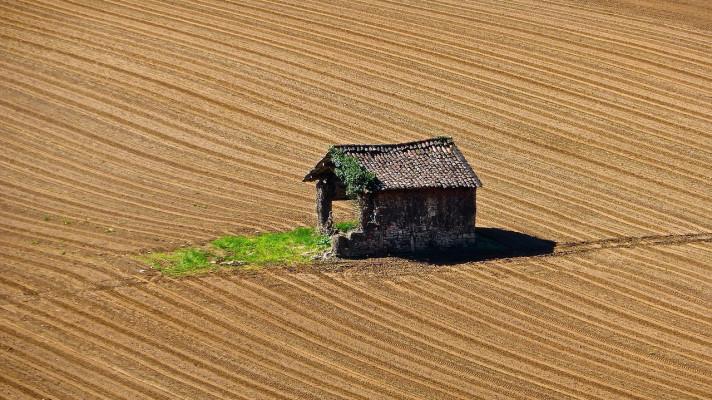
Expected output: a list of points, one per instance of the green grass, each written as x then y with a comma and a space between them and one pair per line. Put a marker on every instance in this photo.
294, 247
345, 226
180, 262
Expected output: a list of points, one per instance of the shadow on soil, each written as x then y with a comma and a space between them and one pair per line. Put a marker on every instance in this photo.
492, 243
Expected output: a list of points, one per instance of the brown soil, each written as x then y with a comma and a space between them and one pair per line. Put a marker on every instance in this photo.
132, 126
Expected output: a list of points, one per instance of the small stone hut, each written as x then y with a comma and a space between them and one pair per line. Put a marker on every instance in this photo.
420, 198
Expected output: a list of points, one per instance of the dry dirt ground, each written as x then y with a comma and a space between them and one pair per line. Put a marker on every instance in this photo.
136, 125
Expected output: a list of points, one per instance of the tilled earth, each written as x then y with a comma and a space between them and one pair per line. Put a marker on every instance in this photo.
134, 126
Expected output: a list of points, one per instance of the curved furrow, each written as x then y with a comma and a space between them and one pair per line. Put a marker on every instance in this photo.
622, 171
575, 76
16, 288
128, 107
84, 171
167, 85
86, 272
309, 38
176, 165
67, 103
170, 372
504, 98
496, 53
161, 175
594, 228
86, 168
651, 274
391, 311
115, 383
152, 233
439, 325
603, 304
40, 174
69, 281
637, 282
206, 27
665, 34
107, 218
85, 337
224, 177
626, 42
638, 296
511, 304
20, 386
39, 229
558, 349
22, 358
652, 33
174, 39
192, 74
688, 275
186, 357
381, 342
346, 327
645, 22
701, 270
571, 37
557, 305
300, 360
390, 322
393, 370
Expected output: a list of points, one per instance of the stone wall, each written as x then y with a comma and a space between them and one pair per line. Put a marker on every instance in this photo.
411, 221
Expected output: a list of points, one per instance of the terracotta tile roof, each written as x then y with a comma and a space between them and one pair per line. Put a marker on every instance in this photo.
432, 163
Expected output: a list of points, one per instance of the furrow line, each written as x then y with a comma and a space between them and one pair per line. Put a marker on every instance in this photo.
420, 36
620, 170
508, 304
178, 166
646, 22
85, 168
641, 279
299, 356
147, 361
346, 327
631, 293
163, 176
110, 373
399, 312
371, 362
604, 47
548, 303
202, 47
649, 31
606, 305
67, 103
128, 107
60, 375
13, 382
539, 341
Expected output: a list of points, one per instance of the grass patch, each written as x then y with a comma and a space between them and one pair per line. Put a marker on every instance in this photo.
180, 262
294, 247
345, 226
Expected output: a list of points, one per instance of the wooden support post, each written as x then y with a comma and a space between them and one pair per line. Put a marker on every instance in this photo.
324, 195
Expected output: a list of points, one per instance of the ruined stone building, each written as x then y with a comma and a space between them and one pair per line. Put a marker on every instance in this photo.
412, 197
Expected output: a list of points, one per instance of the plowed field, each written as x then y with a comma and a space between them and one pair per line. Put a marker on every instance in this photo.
140, 125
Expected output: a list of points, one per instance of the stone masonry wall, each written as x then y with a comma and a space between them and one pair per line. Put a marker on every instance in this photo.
412, 221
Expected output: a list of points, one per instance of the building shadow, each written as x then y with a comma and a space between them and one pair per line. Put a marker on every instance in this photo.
491, 243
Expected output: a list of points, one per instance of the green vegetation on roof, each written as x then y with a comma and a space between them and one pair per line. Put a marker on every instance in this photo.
351, 173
